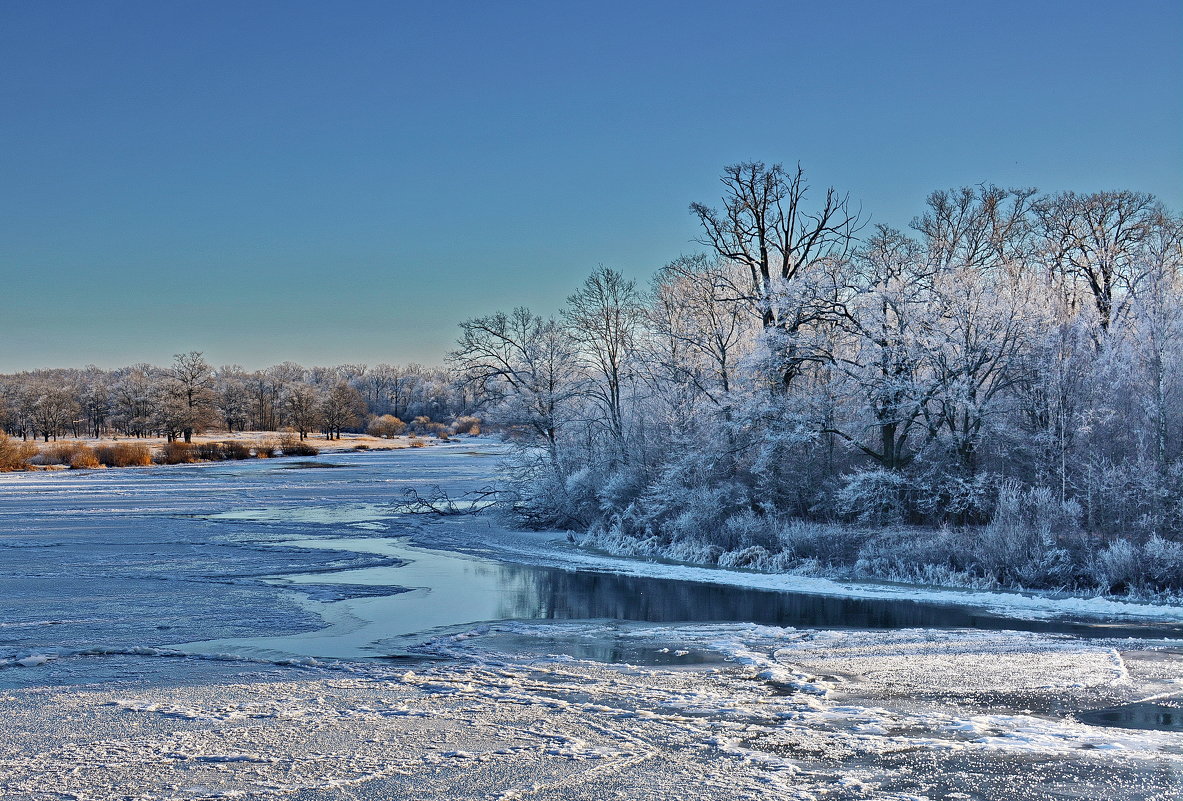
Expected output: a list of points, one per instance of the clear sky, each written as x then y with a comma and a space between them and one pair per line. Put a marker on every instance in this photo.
344, 182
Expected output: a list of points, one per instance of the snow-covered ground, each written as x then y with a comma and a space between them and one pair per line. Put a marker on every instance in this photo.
790, 714
226, 631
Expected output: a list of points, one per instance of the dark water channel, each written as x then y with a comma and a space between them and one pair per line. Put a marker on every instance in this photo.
548, 594
380, 610
1141, 715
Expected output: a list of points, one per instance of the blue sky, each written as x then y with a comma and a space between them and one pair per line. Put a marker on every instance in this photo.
330, 182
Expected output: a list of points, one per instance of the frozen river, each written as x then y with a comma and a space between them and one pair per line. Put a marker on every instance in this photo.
179, 610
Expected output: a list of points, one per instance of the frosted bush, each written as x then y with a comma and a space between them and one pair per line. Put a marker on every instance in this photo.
827, 542
745, 529
1118, 566
578, 501
873, 497
701, 514
754, 557
694, 551
897, 552
1028, 541
942, 497
1163, 561
621, 488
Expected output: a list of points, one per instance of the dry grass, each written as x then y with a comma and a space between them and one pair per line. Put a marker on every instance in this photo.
15, 454
177, 453
84, 458
466, 425
220, 451
124, 454
291, 445
68, 454
386, 426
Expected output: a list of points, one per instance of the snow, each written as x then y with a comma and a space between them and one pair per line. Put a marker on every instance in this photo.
494, 723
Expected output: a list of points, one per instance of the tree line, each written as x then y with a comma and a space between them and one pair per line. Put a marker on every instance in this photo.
190, 396
989, 397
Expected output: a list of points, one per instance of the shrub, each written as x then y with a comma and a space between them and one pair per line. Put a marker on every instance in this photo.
873, 497
15, 454
124, 454
755, 557
267, 448
466, 424
417, 443
208, 452
1028, 538
1163, 562
828, 543
235, 450
57, 453
421, 425
177, 453
386, 426
71, 454
291, 445
83, 457
1118, 566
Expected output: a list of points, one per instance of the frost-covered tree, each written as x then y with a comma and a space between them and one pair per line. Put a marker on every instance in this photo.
341, 408
302, 408
232, 397
524, 367
994, 397
187, 395
769, 224
604, 319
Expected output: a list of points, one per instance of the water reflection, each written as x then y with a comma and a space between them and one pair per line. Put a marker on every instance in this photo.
430, 590
551, 594
1137, 716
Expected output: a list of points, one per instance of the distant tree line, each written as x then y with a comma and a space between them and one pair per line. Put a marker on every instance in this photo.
990, 397
190, 396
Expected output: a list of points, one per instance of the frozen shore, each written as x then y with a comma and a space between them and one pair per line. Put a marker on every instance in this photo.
781, 714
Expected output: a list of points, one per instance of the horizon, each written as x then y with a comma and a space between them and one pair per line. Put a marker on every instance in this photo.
289, 182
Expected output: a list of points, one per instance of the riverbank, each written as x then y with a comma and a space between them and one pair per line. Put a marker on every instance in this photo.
101, 452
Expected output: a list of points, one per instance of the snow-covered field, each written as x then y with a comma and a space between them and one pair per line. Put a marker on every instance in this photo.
239, 631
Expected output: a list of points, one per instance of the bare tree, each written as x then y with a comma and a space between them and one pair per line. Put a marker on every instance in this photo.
882, 320
522, 365
979, 227
1097, 241
604, 318
302, 408
985, 326
51, 408
767, 225
189, 394
341, 408
699, 327
134, 399
95, 399
1158, 312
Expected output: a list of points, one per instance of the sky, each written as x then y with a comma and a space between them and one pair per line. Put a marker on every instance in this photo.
345, 182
